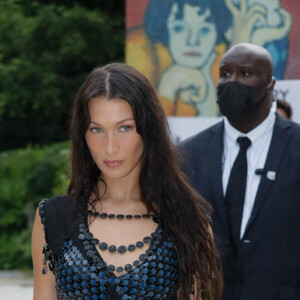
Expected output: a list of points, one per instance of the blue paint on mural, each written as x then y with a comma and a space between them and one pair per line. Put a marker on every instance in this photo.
190, 36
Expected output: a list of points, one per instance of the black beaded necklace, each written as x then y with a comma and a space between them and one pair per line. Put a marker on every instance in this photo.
88, 239
119, 216
122, 249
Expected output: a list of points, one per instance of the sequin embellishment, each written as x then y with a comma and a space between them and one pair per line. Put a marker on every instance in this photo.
86, 276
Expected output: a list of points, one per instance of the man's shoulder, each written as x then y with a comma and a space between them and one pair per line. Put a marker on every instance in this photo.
295, 127
204, 135
291, 126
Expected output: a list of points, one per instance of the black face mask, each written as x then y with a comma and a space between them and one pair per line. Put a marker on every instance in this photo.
237, 100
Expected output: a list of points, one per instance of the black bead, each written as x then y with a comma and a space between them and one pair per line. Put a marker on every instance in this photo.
131, 247
95, 241
120, 216
146, 216
147, 239
88, 236
129, 217
143, 257
51, 267
139, 244
81, 236
128, 267
96, 260
46, 248
136, 263
103, 215
103, 246
112, 248
137, 216
119, 269
111, 216
111, 268
90, 252
122, 249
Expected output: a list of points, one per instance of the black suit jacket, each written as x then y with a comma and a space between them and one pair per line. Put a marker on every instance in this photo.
266, 265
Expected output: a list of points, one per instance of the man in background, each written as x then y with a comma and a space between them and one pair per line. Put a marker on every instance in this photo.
248, 167
284, 109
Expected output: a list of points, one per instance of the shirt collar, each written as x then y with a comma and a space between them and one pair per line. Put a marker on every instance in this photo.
263, 128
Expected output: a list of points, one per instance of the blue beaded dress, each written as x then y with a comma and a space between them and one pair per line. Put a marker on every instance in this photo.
81, 273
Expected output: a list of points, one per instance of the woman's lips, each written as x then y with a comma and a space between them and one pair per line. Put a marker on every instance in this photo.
191, 53
113, 163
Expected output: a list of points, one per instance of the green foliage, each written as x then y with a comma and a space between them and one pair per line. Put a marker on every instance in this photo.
46, 52
27, 176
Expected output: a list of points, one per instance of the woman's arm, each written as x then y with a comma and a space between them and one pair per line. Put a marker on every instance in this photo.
44, 284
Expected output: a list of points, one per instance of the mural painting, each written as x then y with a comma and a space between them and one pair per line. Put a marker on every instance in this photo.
178, 44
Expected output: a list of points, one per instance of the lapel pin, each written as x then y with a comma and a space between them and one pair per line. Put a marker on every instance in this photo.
271, 175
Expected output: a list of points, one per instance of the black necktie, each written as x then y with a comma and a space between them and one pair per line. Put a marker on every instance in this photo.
235, 193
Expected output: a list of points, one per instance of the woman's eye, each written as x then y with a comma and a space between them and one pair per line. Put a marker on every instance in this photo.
177, 26
125, 128
95, 130
205, 30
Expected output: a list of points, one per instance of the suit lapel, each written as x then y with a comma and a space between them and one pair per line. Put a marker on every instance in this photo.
215, 172
278, 144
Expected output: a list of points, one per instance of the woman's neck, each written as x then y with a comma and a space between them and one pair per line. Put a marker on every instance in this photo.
121, 196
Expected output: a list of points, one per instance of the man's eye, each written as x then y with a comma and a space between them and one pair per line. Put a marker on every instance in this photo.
245, 73
125, 128
225, 74
95, 130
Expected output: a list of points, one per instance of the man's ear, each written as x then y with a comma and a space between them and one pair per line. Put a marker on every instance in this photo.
271, 83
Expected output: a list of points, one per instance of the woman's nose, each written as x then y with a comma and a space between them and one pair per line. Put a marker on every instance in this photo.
193, 37
111, 144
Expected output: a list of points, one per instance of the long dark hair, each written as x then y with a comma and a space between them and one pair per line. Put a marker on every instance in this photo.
162, 183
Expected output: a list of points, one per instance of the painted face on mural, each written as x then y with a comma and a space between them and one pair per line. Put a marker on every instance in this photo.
192, 38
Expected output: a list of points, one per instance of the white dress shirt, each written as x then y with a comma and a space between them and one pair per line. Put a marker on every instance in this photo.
257, 152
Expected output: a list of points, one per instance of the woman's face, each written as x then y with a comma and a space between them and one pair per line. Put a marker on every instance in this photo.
191, 39
114, 143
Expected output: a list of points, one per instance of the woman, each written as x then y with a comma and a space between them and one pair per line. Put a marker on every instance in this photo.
130, 227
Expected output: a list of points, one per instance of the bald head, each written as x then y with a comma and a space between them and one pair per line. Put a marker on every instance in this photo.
242, 68
257, 54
